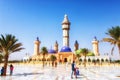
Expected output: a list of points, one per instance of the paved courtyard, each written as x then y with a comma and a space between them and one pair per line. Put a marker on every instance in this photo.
62, 72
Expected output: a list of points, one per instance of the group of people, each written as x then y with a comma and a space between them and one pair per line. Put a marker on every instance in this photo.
75, 70
11, 70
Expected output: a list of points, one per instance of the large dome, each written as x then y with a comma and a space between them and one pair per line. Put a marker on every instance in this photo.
65, 49
51, 51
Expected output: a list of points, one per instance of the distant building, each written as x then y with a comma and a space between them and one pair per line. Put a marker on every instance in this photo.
65, 54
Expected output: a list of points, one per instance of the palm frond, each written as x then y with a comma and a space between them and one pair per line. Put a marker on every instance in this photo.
9, 44
114, 33
44, 50
18, 49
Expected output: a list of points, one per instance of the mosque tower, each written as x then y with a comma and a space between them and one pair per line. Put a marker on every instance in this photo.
36, 46
66, 28
56, 46
95, 45
76, 45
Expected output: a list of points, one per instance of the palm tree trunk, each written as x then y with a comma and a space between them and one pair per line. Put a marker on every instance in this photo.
52, 63
43, 60
78, 60
119, 48
5, 65
112, 50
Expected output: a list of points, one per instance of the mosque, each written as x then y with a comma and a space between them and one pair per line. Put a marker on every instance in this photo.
65, 54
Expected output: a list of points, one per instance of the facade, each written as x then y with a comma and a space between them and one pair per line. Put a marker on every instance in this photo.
65, 54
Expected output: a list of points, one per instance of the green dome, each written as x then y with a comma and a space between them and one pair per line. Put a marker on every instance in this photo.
78, 52
90, 54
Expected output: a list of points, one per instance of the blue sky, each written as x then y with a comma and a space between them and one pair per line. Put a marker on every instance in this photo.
27, 19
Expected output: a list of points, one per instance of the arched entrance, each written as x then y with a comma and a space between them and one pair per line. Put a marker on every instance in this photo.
65, 59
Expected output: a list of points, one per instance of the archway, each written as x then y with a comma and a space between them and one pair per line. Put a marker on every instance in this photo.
65, 59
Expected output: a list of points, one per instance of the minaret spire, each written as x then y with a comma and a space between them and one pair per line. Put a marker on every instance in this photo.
66, 20
66, 28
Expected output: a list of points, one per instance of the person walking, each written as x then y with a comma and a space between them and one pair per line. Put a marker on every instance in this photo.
11, 69
2, 71
73, 69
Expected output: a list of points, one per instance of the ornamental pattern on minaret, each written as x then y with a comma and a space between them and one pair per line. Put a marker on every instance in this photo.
66, 28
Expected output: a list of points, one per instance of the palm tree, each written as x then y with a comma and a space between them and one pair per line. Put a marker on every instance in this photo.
80, 60
44, 51
114, 39
78, 53
53, 58
78, 56
8, 44
84, 51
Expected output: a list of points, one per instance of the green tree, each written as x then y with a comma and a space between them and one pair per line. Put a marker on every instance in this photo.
114, 39
84, 51
44, 51
78, 56
53, 59
8, 44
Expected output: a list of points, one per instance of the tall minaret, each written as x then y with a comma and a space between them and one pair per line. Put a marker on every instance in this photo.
76, 46
95, 44
36, 46
66, 28
56, 46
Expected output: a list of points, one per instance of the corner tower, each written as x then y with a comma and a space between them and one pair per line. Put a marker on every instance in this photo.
95, 45
76, 45
36, 46
56, 46
66, 28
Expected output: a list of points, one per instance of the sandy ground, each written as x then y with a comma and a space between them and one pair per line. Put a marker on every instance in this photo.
62, 72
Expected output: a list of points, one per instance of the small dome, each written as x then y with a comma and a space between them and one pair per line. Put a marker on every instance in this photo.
90, 54
78, 51
51, 51
65, 49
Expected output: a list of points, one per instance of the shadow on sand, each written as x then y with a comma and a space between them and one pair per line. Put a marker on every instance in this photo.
26, 74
